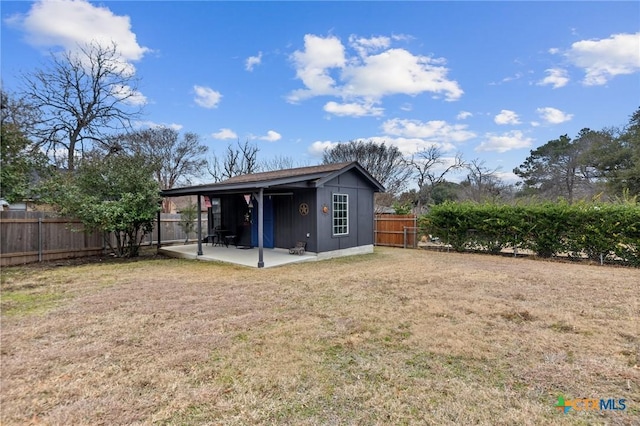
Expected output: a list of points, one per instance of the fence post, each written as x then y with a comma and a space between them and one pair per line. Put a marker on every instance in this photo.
404, 242
200, 225
158, 216
375, 229
39, 238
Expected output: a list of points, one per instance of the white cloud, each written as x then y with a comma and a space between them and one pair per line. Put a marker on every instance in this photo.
365, 46
69, 23
224, 134
606, 58
127, 95
463, 115
409, 146
432, 131
516, 76
506, 117
374, 71
508, 177
556, 77
252, 61
353, 109
553, 115
153, 124
271, 136
313, 64
206, 97
504, 142
397, 71
318, 147
508, 79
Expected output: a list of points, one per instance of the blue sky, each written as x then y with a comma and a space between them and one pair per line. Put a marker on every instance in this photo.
489, 80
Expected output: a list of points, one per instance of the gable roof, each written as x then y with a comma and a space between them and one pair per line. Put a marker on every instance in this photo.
311, 176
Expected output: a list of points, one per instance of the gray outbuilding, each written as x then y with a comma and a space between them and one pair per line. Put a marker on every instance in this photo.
328, 207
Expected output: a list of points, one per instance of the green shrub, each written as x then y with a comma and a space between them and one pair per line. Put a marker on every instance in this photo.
599, 231
547, 226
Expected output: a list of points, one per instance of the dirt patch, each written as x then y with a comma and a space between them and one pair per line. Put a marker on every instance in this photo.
395, 337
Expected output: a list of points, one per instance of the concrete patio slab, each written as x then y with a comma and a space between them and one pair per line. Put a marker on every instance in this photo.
238, 256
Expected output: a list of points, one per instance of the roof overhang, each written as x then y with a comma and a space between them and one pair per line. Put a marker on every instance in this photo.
312, 179
355, 165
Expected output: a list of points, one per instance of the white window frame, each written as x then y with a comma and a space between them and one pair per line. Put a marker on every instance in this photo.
340, 214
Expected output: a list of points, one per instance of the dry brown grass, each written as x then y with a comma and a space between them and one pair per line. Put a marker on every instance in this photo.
396, 337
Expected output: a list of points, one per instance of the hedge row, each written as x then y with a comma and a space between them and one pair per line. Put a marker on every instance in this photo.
603, 232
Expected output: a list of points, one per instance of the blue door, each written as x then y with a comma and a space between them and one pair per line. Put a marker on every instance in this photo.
268, 224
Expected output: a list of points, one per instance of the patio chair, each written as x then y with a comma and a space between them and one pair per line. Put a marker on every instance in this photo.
237, 238
299, 249
218, 235
210, 238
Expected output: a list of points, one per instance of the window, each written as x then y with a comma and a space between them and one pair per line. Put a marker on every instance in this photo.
340, 214
216, 215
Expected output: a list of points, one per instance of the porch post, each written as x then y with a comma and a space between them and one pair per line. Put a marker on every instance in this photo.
159, 217
260, 229
199, 226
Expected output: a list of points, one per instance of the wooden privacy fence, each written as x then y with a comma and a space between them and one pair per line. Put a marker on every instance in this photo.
33, 236
27, 237
392, 230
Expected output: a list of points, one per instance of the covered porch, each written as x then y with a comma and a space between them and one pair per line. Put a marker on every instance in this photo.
239, 256
326, 208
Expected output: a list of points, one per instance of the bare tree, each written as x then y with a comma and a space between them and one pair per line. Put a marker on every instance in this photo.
239, 160
430, 169
279, 162
82, 96
385, 163
482, 182
175, 160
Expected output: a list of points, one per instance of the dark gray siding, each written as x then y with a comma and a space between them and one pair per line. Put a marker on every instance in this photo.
290, 226
360, 212
365, 217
